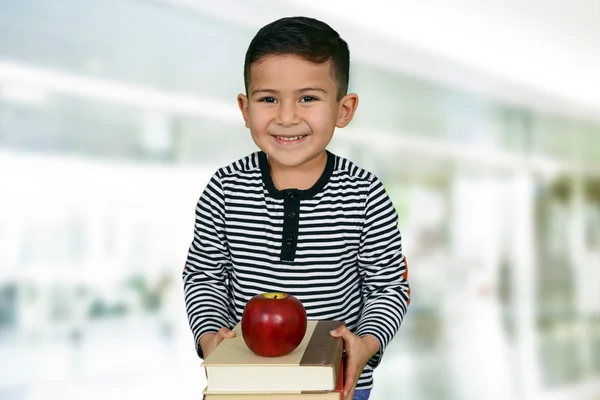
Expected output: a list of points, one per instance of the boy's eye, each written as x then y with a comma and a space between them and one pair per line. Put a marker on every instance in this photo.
308, 99
267, 100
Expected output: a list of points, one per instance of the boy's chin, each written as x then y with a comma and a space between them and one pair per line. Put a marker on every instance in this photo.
297, 160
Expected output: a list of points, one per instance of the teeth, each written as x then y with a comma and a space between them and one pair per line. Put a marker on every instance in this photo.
290, 138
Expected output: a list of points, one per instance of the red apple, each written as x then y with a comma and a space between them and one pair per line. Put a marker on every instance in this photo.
273, 324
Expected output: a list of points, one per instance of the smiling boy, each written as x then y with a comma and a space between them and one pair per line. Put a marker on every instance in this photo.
294, 217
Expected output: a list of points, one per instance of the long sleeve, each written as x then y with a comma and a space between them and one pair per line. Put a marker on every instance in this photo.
383, 271
207, 266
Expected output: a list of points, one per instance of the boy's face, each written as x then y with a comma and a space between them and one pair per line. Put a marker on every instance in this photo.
292, 109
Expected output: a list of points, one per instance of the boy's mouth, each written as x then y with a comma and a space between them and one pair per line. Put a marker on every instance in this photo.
289, 139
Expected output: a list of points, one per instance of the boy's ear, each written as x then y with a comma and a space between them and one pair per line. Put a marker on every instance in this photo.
243, 104
346, 111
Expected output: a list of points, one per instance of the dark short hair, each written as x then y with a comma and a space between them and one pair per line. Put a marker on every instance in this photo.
308, 38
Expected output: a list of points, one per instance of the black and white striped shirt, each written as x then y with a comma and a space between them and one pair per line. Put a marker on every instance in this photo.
335, 246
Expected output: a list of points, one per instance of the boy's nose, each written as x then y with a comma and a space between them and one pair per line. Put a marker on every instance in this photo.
287, 115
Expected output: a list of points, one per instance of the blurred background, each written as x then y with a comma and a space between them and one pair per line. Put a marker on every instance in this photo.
481, 118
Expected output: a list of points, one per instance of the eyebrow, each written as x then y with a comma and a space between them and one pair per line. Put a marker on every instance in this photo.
306, 89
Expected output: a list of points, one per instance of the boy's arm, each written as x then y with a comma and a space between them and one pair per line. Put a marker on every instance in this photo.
383, 269
205, 274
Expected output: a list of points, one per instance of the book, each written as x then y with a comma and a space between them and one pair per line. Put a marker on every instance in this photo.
312, 367
336, 394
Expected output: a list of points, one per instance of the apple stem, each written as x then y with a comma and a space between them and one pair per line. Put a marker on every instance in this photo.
275, 297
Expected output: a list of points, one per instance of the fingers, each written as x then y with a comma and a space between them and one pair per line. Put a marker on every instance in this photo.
350, 383
212, 340
223, 333
352, 369
350, 395
343, 332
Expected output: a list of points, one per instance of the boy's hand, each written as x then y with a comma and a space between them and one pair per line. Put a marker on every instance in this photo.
359, 351
210, 340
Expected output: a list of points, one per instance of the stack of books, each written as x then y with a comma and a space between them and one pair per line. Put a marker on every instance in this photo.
314, 371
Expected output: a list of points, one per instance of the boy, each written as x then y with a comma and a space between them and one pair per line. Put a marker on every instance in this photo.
293, 217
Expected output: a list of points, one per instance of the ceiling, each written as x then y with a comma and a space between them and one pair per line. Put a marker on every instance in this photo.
548, 48
542, 54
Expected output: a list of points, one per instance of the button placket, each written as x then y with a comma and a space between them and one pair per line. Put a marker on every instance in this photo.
291, 211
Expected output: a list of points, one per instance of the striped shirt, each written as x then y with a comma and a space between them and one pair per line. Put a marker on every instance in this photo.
335, 246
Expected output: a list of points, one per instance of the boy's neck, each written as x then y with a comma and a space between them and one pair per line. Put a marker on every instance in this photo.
302, 177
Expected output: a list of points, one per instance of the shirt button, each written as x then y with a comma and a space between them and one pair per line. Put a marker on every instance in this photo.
289, 241
292, 215
290, 195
